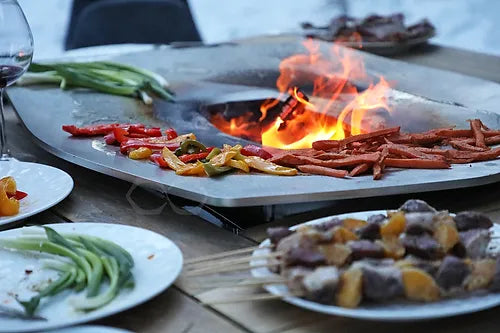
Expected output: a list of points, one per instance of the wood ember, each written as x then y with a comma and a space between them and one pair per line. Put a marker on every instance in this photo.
385, 148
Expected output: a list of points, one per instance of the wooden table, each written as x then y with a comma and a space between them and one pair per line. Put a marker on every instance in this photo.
101, 198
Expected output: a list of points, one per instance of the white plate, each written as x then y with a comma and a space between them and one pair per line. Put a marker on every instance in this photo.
89, 329
386, 312
46, 186
158, 262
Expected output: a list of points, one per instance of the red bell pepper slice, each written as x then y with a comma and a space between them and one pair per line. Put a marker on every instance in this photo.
138, 135
171, 133
110, 139
94, 130
153, 131
252, 150
120, 134
19, 195
159, 160
193, 157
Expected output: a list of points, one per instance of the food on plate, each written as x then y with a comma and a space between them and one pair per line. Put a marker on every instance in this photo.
350, 157
84, 263
181, 153
377, 151
373, 28
103, 76
10, 197
415, 253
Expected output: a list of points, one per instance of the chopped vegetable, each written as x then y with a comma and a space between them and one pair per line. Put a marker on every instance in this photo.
213, 170
90, 258
104, 76
252, 150
171, 159
268, 167
140, 153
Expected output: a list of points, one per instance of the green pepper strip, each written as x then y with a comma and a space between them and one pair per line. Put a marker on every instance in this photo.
216, 151
212, 170
190, 147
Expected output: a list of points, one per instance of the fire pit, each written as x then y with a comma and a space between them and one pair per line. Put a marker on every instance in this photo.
318, 93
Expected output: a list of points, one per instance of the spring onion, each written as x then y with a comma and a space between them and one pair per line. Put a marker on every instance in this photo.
83, 262
103, 76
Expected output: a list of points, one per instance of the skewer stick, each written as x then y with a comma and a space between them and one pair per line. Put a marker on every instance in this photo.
221, 255
215, 270
260, 297
225, 262
238, 283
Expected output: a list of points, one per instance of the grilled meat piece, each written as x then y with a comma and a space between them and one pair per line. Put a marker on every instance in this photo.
321, 284
305, 257
459, 250
475, 242
365, 249
452, 273
277, 234
294, 277
423, 246
381, 283
495, 285
330, 224
419, 223
472, 220
370, 231
377, 218
414, 206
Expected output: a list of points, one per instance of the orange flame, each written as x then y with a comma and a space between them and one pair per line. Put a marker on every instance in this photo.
335, 106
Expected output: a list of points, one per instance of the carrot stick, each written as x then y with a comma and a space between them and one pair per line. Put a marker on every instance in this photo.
319, 170
463, 145
370, 158
379, 166
360, 169
329, 144
475, 156
416, 163
475, 125
330, 156
406, 151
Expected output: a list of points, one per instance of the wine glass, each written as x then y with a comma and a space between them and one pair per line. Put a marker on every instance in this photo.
16, 52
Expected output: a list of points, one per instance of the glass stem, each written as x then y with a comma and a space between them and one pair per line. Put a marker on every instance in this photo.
4, 152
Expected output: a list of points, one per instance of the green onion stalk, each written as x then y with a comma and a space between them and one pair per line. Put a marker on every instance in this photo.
83, 262
103, 76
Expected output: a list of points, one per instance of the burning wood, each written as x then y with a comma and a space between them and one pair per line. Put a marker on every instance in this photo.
294, 105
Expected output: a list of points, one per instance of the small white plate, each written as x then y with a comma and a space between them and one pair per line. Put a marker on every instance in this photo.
158, 262
46, 186
408, 311
89, 329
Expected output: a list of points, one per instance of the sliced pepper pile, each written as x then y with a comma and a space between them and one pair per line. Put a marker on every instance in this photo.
181, 153
9, 197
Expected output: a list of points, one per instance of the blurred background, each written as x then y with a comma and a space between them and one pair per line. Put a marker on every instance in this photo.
464, 24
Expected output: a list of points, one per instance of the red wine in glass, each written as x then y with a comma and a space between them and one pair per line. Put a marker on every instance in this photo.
16, 51
9, 74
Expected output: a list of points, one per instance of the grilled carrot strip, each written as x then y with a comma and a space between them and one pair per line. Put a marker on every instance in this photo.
360, 169
332, 144
475, 125
330, 156
416, 163
475, 156
410, 152
370, 158
319, 170
379, 166
463, 145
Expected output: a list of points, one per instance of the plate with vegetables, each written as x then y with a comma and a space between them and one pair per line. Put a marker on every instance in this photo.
30, 188
414, 263
66, 274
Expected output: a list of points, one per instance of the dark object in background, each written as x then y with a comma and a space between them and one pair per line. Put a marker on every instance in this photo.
373, 28
104, 22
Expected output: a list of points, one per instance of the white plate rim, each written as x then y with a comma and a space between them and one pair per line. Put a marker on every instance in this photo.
388, 315
92, 316
64, 194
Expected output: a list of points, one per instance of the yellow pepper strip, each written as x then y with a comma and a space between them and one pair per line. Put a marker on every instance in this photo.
172, 160
8, 207
140, 153
269, 167
9, 185
238, 165
179, 139
223, 157
192, 169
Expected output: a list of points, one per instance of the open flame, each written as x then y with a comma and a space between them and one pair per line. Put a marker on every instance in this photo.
334, 110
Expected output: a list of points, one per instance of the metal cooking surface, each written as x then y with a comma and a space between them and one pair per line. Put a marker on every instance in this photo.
248, 72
